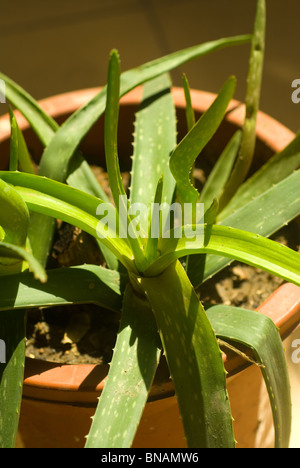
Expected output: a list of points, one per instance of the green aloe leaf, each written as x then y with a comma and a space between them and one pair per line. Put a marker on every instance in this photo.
245, 156
75, 285
264, 215
80, 173
14, 216
220, 173
12, 256
12, 332
276, 169
194, 359
112, 159
259, 333
189, 111
19, 155
155, 139
226, 241
152, 244
43, 125
184, 156
111, 128
55, 208
63, 202
130, 376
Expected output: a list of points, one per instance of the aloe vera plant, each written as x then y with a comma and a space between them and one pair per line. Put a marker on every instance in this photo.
155, 261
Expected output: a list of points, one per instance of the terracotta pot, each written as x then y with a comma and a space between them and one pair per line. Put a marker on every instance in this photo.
58, 400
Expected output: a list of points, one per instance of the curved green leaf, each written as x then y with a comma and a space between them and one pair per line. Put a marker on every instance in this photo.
112, 159
246, 153
14, 215
12, 332
275, 170
244, 246
61, 201
259, 333
155, 139
12, 256
83, 284
264, 215
19, 155
220, 173
130, 377
43, 125
186, 152
194, 359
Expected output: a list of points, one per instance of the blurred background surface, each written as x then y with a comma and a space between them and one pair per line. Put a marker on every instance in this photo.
63, 45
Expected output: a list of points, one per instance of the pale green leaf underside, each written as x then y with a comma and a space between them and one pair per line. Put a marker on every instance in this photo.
263, 215
260, 334
234, 243
60, 201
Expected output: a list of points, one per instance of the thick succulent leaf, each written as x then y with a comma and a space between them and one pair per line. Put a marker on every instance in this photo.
14, 215
151, 250
194, 359
12, 258
130, 377
19, 155
61, 201
112, 159
264, 215
189, 111
246, 153
155, 139
12, 332
111, 128
70, 213
259, 333
220, 173
276, 169
244, 246
80, 174
75, 285
143, 73
184, 156
43, 125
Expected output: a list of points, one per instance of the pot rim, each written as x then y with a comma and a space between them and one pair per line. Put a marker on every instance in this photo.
83, 383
